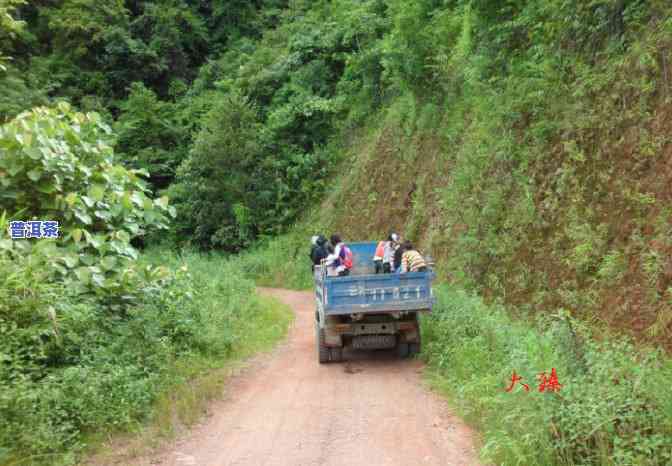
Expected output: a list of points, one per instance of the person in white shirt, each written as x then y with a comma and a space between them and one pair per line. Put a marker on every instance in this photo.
388, 252
334, 261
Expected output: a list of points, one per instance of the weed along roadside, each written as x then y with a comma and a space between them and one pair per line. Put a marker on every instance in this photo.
236, 313
144, 379
614, 406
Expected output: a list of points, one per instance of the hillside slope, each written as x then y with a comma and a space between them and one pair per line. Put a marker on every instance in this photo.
537, 173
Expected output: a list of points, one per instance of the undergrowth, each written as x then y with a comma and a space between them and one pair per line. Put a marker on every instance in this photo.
614, 406
87, 374
281, 262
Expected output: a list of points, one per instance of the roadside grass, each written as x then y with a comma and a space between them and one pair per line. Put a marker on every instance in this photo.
256, 325
196, 382
280, 262
614, 406
140, 380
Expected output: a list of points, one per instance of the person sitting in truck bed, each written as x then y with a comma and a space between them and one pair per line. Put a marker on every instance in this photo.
378, 257
319, 250
336, 261
411, 260
398, 253
388, 252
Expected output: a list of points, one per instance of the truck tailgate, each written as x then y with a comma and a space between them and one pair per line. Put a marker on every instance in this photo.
376, 293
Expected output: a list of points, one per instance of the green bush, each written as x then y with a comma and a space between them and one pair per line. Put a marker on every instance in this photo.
58, 165
281, 262
613, 407
90, 335
69, 368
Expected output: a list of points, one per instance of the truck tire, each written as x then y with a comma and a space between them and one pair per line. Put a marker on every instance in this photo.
323, 353
402, 349
415, 347
336, 354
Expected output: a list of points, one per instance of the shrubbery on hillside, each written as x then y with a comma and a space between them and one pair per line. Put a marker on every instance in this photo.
613, 407
90, 335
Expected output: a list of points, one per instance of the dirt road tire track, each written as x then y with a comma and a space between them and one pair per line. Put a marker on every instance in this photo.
288, 410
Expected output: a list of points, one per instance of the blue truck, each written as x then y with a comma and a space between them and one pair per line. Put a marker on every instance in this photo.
366, 311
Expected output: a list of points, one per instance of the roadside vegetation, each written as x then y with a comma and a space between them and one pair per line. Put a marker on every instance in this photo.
524, 144
614, 406
75, 371
93, 337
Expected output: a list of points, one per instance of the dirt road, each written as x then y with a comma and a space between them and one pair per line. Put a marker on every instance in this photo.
289, 410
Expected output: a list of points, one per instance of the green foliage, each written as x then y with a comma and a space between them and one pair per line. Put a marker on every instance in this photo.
150, 136
58, 165
8, 26
69, 369
610, 409
280, 262
224, 178
235, 187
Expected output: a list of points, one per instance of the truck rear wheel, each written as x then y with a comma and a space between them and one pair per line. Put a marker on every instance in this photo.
336, 354
323, 353
415, 347
402, 349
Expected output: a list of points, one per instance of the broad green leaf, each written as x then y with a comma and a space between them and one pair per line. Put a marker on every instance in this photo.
162, 202
83, 274
87, 259
71, 198
76, 234
33, 152
96, 241
126, 201
102, 214
13, 170
138, 198
123, 236
88, 201
34, 174
70, 261
108, 262
83, 217
97, 192
98, 279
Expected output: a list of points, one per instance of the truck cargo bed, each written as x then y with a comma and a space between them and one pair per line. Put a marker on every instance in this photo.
364, 292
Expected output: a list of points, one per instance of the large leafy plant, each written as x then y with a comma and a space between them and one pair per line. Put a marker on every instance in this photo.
57, 164
8, 25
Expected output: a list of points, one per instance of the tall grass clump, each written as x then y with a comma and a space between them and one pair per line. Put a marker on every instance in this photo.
281, 262
614, 406
72, 369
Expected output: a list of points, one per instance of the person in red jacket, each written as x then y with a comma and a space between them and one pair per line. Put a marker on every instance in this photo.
378, 257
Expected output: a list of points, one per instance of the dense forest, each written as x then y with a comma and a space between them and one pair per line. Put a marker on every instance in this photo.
524, 143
